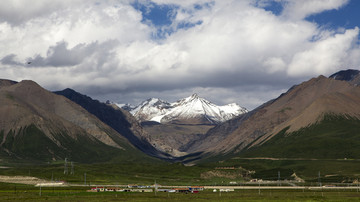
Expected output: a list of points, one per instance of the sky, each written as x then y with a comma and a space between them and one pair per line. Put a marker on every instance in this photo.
126, 51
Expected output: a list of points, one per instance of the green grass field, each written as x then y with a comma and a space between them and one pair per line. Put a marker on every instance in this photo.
12, 192
332, 171
116, 173
335, 137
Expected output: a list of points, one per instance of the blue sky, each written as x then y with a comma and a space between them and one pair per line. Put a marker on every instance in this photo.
158, 15
347, 16
161, 16
247, 51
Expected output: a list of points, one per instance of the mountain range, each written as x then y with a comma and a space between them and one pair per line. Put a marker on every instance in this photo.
190, 110
306, 106
172, 126
318, 118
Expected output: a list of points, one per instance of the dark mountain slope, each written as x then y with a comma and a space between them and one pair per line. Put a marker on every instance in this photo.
351, 75
118, 119
36, 124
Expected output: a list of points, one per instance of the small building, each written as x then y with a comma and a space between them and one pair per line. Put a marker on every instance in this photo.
226, 190
132, 186
112, 189
97, 189
164, 190
256, 180
181, 190
196, 188
141, 190
93, 189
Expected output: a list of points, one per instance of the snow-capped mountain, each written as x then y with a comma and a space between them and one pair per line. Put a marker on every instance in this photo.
190, 110
150, 108
127, 106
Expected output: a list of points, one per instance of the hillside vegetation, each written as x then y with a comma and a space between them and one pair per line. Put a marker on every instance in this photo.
335, 137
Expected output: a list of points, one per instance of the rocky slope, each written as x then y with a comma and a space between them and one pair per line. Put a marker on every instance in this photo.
38, 124
120, 120
172, 126
302, 106
174, 138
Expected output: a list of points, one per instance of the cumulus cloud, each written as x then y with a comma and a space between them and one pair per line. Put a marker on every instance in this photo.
16, 12
297, 10
10, 60
226, 50
61, 56
325, 56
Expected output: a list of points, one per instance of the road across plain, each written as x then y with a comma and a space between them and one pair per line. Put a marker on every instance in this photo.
283, 187
239, 187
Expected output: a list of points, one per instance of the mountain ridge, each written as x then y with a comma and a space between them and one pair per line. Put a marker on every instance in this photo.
302, 105
28, 110
350, 75
190, 110
118, 119
36, 124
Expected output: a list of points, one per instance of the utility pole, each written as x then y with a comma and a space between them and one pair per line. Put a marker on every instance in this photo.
72, 168
319, 180
279, 183
84, 178
155, 188
65, 167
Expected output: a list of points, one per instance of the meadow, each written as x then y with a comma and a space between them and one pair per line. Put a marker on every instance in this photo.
16, 192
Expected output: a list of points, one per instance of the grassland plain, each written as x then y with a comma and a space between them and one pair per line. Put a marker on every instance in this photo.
127, 172
16, 192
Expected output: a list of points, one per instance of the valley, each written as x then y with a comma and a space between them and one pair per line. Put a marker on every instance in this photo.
174, 139
311, 129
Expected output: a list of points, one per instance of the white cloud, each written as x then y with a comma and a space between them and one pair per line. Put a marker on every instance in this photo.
275, 64
298, 10
85, 23
188, 3
233, 49
19, 11
325, 56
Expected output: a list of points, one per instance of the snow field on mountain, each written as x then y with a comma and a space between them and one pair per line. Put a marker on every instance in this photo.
157, 110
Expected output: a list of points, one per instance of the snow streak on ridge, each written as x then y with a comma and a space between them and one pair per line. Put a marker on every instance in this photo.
192, 107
